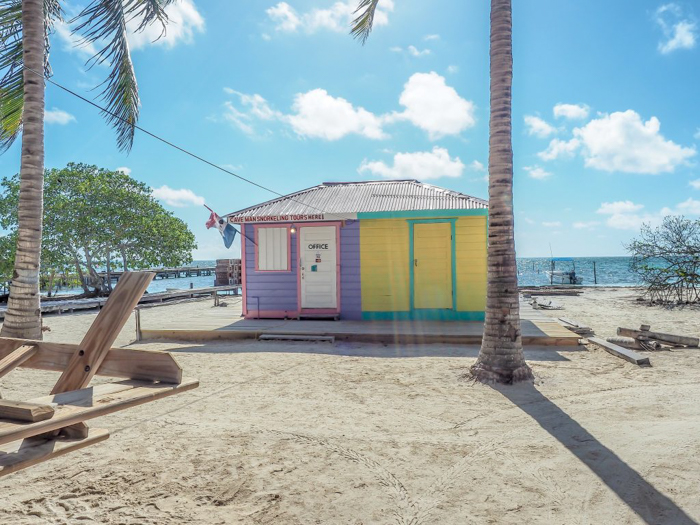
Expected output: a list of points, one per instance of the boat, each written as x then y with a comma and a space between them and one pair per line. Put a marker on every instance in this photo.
565, 276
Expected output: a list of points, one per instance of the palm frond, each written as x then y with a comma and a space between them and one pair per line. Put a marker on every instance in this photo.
12, 65
104, 22
362, 24
11, 69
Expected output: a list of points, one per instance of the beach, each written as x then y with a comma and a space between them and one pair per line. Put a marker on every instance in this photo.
299, 433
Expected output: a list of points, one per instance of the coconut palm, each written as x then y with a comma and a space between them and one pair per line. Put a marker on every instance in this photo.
25, 26
501, 356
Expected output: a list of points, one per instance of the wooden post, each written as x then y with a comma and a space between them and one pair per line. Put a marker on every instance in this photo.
595, 277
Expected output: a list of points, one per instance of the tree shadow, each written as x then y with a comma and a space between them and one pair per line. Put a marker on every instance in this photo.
640, 496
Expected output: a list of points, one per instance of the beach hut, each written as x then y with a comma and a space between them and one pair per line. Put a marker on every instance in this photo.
375, 250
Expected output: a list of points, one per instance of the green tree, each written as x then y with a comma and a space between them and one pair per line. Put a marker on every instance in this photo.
501, 356
96, 219
25, 26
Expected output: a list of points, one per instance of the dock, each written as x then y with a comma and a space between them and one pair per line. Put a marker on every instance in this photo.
57, 306
226, 324
168, 273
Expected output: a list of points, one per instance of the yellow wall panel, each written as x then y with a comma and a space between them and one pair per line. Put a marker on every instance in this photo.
385, 266
470, 251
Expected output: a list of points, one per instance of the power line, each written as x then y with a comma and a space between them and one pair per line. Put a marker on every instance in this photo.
172, 145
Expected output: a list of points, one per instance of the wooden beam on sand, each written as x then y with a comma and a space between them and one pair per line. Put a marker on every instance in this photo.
27, 452
25, 411
127, 363
103, 332
80, 405
16, 357
666, 338
618, 351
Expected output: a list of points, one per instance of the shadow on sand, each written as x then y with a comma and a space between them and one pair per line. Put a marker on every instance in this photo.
640, 496
357, 349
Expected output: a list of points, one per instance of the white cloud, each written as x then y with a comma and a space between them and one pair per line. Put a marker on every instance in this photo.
585, 225
431, 37
537, 173
477, 166
284, 16
695, 184
611, 208
423, 165
552, 224
559, 148
680, 32
452, 69
178, 198
318, 114
396, 49
697, 134
413, 50
623, 215
58, 116
184, 20
571, 111
689, 207
124, 170
429, 104
529, 220
434, 106
623, 142
338, 17
538, 127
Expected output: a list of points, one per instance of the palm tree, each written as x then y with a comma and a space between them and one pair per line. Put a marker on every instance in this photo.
25, 26
501, 356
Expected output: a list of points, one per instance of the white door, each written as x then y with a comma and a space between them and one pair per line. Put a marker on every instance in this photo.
318, 264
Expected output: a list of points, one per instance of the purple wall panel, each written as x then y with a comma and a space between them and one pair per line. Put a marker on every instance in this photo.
269, 290
277, 291
350, 289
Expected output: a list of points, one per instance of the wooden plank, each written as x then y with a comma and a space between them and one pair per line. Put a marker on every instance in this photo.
618, 351
80, 405
128, 363
575, 324
25, 411
297, 337
667, 338
16, 358
25, 453
103, 331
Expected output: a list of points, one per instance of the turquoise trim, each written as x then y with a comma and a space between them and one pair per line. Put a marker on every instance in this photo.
424, 315
422, 214
411, 259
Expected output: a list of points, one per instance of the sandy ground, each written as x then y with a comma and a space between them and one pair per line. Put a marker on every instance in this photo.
296, 433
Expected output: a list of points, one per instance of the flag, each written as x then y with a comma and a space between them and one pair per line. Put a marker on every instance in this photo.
227, 231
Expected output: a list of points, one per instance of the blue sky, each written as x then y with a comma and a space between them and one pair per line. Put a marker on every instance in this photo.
605, 109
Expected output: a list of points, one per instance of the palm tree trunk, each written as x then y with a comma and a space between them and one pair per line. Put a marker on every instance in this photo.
23, 317
501, 356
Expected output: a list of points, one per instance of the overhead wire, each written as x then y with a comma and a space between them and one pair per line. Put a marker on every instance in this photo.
179, 148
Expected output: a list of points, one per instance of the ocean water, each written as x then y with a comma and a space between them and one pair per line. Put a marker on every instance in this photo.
610, 271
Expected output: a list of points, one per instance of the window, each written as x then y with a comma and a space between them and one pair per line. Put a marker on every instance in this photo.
273, 249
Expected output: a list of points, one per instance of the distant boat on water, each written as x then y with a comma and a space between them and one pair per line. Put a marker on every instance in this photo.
566, 275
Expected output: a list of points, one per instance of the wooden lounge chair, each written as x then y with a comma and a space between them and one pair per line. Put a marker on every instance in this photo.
40, 429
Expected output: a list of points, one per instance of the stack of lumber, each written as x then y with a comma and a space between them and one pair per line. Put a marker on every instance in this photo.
645, 339
228, 272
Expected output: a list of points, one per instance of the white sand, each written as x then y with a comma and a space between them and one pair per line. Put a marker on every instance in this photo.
286, 433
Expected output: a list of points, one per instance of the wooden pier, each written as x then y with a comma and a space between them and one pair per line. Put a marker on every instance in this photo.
169, 273
58, 306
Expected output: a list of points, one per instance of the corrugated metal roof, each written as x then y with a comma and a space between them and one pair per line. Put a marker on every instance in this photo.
338, 198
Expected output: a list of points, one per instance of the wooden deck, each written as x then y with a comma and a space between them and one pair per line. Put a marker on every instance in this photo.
221, 324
